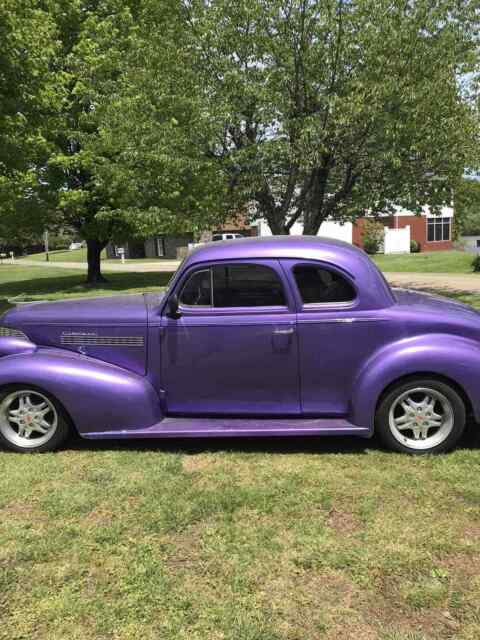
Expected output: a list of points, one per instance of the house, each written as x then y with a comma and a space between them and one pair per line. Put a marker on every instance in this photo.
432, 232
175, 247
162, 246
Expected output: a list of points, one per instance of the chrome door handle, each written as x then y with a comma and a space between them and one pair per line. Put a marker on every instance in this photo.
284, 332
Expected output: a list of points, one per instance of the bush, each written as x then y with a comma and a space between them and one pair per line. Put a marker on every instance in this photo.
414, 246
372, 236
476, 263
371, 245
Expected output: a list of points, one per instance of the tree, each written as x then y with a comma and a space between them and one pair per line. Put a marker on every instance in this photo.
27, 34
115, 159
329, 109
467, 208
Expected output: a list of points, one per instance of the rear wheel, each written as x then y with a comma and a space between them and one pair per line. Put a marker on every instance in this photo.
420, 416
31, 420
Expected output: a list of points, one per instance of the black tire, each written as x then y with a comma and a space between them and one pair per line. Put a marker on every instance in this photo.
56, 415
399, 437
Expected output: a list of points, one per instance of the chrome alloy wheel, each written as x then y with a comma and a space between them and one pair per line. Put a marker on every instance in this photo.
421, 418
27, 418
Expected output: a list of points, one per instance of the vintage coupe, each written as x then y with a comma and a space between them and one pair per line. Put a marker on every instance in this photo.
256, 337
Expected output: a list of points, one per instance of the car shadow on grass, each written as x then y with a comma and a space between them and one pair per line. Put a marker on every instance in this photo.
320, 445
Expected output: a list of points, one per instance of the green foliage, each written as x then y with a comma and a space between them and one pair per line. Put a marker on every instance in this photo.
414, 246
117, 158
372, 236
318, 109
467, 208
476, 264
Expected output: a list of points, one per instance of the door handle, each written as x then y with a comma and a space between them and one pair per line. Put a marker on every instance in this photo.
284, 332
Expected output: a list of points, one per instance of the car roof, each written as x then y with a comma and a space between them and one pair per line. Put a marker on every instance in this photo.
303, 247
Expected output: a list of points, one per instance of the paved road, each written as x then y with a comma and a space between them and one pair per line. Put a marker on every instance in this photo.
452, 281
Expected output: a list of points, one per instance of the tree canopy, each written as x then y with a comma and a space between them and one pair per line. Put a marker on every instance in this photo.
332, 108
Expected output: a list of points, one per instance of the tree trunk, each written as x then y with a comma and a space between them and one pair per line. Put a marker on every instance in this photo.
94, 250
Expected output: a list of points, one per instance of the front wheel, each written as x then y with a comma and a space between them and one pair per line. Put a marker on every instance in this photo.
420, 416
31, 421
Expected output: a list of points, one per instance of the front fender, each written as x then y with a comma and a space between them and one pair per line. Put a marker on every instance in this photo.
97, 395
450, 356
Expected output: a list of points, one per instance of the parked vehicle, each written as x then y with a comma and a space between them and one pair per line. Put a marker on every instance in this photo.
226, 236
279, 336
73, 246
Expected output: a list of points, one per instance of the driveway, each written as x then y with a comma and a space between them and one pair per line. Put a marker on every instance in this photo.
452, 281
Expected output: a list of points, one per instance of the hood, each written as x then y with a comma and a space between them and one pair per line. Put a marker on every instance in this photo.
113, 329
118, 310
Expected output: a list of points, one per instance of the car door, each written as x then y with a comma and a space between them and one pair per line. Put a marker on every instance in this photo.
233, 350
336, 335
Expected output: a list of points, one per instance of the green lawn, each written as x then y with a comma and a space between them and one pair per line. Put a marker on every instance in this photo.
433, 261
80, 255
429, 262
41, 283
62, 255
299, 539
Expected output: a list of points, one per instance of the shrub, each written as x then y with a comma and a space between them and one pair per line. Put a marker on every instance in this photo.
372, 236
414, 246
476, 263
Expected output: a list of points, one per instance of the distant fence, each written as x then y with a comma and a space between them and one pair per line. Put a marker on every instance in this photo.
396, 240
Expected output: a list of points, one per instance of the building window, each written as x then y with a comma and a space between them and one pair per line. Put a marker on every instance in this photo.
160, 246
478, 244
438, 229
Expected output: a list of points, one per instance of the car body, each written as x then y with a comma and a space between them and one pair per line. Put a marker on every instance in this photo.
270, 336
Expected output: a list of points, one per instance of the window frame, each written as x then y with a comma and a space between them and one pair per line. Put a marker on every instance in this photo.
272, 264
193, 273
160, 242
439, 221
323, 306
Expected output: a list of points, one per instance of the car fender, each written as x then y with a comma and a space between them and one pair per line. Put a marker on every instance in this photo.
445, 355
98, 396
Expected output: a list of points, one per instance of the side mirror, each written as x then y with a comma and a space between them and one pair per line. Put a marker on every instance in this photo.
172, 307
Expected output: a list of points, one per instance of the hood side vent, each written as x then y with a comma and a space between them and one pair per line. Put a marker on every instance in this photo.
103, 341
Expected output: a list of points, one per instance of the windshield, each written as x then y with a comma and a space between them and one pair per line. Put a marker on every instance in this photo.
169, 284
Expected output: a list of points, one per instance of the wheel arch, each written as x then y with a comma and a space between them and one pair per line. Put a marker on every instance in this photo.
7, 386
97, 396
452, 359
432, 376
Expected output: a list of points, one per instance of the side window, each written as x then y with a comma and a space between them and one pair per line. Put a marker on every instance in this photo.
197, 291
318, 285
246, 285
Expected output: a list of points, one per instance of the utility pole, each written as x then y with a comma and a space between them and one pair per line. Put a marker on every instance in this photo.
45, 240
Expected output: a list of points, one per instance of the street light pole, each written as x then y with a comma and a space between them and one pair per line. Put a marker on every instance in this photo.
45, 240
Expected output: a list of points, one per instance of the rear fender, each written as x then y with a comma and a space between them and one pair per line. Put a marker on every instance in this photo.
445, 355
97, 395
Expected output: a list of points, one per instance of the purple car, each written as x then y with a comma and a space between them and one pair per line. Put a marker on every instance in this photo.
279, 336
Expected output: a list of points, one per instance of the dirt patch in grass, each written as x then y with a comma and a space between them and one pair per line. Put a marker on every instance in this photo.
343, 522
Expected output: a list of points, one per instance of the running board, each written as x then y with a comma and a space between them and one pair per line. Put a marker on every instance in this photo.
232, 427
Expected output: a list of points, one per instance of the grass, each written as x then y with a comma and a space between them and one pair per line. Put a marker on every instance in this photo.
429, 262
80, 255
42, 283
235, 540
63, 255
